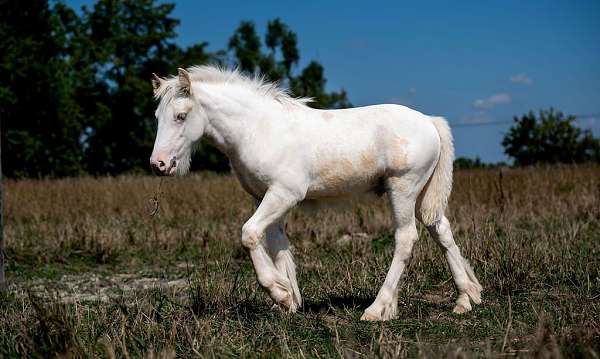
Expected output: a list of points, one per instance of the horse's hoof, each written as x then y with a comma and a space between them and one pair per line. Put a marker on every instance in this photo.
369, 317
379, 314
283, 295
460, 309
289, 304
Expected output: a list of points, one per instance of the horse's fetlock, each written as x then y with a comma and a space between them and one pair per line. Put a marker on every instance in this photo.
250, 237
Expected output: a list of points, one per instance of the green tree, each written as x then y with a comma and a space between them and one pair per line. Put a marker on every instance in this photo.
311, 83
75, 95
126, 41
280, 37
279, 61
549, 138
41, 120
246, 45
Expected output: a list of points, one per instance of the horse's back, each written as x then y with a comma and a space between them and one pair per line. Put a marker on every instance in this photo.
356, 149
386, 130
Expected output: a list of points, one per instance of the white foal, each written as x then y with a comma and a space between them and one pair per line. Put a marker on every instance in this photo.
284, 152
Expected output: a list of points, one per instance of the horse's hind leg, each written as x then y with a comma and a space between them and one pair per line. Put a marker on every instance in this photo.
466, 283
279, 250
403, 206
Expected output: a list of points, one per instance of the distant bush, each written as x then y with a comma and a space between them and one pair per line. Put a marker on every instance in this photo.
468, 163
463, 163
550, 138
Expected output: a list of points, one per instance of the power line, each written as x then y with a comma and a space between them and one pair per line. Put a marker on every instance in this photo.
478, 124
593, 116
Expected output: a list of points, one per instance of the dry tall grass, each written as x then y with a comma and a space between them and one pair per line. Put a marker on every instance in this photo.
532, 236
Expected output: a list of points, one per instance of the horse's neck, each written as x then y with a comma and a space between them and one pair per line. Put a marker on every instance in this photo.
230, 114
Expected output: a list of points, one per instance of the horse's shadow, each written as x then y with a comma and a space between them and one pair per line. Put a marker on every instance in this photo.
336, 302
353, 302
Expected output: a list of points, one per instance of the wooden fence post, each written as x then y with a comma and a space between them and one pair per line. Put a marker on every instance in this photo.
2, 278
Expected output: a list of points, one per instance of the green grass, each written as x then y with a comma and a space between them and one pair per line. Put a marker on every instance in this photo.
92, 274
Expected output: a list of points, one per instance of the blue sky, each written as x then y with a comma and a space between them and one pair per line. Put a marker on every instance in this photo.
469, 61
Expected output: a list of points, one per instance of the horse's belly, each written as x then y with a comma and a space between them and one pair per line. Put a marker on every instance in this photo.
356, 166
344, 179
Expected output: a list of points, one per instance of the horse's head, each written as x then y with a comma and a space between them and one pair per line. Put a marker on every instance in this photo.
181, 123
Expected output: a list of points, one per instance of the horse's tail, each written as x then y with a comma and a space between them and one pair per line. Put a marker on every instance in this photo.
434, 197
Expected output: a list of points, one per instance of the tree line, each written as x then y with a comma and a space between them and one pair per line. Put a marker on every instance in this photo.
75, 94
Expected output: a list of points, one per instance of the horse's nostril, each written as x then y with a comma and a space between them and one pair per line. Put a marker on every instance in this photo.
161, 164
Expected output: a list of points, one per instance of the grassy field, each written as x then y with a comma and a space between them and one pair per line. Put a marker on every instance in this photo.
92, 273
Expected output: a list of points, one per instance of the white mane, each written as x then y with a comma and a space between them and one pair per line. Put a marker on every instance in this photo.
215, 74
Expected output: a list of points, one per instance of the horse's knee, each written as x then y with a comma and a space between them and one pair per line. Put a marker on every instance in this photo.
405, 239
251, 236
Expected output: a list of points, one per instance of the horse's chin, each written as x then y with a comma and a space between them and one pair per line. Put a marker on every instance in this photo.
182, 168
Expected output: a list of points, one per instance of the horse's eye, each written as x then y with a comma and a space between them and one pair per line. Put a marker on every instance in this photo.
181, 116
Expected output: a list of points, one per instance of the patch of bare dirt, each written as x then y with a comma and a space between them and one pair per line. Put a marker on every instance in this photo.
76, 288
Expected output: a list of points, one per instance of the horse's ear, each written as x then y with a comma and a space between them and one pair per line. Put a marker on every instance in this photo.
185, 83
156, 82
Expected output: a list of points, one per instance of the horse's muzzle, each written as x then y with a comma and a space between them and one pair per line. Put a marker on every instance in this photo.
160, 168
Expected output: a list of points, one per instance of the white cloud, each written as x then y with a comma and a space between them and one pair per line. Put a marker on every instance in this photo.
492, 101
521, 79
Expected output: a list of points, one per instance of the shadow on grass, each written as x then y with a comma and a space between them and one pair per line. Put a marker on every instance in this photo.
410, 306
337, 302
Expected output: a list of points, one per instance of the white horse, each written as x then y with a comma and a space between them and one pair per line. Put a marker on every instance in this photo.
284, 152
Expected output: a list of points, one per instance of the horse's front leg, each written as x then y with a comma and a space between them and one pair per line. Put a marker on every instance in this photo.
279, 249
273, 207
